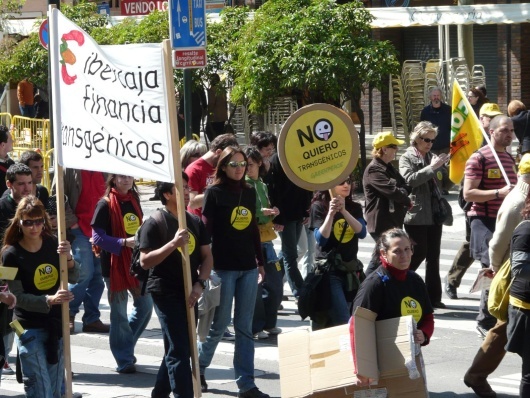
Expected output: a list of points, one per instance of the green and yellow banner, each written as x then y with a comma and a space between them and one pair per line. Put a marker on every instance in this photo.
466, 134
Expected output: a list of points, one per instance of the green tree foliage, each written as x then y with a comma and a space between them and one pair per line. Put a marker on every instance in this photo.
318, 49
7, 7
27, 58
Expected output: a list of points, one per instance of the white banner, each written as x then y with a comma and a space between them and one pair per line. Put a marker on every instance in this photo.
450, 15
110, 104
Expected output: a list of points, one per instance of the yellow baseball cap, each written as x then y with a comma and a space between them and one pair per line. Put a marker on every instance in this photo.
385, 139
490, 109
524, 164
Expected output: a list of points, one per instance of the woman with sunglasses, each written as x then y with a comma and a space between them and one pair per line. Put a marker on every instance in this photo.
117, 217
387, 193
229, 213
418, 166
394, 291
338, 225
30, 246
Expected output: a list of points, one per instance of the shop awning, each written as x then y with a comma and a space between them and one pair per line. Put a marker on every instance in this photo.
390, 17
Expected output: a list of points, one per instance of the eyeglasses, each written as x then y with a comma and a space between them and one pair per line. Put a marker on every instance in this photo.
235, 164
428, 140
30, 223
471, 96
347, 181
393, 146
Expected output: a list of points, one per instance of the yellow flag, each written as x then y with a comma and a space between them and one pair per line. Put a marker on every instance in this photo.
466, 134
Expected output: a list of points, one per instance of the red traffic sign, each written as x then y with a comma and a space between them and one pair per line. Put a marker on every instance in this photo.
44, 34
191, 58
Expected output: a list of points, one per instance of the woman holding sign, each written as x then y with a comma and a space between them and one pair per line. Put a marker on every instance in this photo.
30, 246
418, 166
338, 225
229, 213
116, 219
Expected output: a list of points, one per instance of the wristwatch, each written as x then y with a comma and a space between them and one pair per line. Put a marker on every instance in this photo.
202, 282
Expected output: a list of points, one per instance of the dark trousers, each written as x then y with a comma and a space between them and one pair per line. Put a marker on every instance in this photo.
462, 261
175, 369
268, 299
428, 239
290, 236
489, 355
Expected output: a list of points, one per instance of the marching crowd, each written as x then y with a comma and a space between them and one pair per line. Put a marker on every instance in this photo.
238, 200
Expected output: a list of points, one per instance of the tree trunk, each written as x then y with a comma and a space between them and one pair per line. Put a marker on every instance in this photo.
362, 132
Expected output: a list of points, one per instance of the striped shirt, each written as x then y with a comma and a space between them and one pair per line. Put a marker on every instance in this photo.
485, 168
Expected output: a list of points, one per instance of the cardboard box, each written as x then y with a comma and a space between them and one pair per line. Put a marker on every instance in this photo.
320, 364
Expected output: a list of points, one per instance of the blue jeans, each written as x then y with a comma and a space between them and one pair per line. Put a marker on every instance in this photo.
27, 110
41, 380
340, 311
90, 286
240, 286
125, 331
172, 314
290, 236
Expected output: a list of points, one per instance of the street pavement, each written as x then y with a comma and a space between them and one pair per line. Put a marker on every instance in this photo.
449, 354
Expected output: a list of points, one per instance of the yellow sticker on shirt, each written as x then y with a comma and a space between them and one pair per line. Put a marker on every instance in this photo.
46, 276
338, 227
494, 173
410, 306
131, 223
192, 244
241, 218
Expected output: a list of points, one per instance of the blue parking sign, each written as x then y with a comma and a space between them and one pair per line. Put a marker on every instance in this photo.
187, 24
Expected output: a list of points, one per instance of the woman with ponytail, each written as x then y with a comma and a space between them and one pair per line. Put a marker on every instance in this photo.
116, 219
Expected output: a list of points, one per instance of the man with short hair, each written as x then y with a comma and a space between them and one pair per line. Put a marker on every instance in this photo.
463, 259
485, 186
161, 254
491, 353
6, 146
439, 114
201, 171
34, 161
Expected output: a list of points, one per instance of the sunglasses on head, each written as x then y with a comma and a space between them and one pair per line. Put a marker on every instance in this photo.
346, 181
234, 164
29, 223
428, 140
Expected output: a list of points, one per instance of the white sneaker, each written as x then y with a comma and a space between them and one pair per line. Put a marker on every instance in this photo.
261, 335
7, 370
273, 331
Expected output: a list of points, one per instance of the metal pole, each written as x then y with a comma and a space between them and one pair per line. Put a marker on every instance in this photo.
57, 4
465, 40
188, 87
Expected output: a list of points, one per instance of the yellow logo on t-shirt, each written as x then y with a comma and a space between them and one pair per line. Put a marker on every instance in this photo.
46, 276
410, 306
241, 218
338, 227
191, 244
131, 223
494, 173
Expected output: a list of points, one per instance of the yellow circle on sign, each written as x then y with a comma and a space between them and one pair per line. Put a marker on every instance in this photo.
241, 218
318, 147
410, 306
131, 223
45, 276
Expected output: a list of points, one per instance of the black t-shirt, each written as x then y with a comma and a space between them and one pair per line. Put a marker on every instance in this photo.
39, 274
233, 215
4, 165
167, 276
349, 244
101, 219
389, 298
8, 208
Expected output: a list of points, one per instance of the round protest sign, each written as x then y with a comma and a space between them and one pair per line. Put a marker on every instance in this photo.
318, 147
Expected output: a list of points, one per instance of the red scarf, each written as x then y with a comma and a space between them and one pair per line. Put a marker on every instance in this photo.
120, 278
399, 274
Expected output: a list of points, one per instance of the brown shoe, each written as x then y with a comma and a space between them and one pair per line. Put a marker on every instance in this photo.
482, 390
96, 327
72, 324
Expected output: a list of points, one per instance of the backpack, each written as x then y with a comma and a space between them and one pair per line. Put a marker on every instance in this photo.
499, 295
136, 269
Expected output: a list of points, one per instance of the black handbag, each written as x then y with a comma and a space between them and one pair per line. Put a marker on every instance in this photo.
315, 294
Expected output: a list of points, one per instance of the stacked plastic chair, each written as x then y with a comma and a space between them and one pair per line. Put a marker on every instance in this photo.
398, 109
478, 76
413, 79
